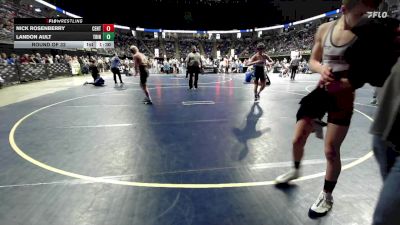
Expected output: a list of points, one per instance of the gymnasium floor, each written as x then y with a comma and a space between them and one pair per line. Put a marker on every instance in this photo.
77, 155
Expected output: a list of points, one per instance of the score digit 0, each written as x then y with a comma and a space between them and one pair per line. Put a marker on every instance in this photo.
108, 36
108, 27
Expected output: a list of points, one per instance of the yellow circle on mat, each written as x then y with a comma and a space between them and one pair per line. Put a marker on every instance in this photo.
155, 185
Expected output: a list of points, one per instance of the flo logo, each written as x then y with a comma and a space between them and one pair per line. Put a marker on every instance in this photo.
376, 14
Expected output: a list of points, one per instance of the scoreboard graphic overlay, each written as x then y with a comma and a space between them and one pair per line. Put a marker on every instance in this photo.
61, 34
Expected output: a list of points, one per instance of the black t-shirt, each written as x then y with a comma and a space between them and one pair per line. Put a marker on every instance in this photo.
375, 47
93, 69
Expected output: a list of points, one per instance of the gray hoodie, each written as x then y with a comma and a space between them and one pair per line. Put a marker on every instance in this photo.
387, 118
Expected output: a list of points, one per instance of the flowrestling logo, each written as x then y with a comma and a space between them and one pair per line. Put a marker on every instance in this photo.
377, 14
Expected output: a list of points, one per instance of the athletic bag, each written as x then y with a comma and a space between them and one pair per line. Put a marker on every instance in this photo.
248, 77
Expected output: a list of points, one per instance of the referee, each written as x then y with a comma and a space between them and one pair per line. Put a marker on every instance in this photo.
194, 64
115, 64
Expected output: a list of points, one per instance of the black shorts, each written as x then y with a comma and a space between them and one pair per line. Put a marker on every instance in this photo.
144, 74
259, 73
194, 69
339, 106
115, 71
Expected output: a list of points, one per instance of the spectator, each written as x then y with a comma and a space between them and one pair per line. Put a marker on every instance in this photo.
12, 59
3, 59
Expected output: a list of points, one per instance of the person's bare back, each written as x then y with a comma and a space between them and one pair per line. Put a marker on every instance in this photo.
140, 59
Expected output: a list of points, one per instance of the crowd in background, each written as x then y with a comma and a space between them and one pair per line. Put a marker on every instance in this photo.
37, 58
10, 10
185, 46
172, 49
279, 44
174, 46
102, 62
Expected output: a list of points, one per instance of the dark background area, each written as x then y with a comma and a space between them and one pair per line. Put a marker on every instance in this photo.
197, 14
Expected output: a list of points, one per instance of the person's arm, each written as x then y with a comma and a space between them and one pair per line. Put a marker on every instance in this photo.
187, 59
252, 62
269, 58
136, 60
316, 56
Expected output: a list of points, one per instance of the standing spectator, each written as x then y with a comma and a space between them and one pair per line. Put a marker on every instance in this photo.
107, 61
115, 64
166, 67
226, 64
100, 64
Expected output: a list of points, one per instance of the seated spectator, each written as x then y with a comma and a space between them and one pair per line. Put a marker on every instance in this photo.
24, 59
3, 59
12, 59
